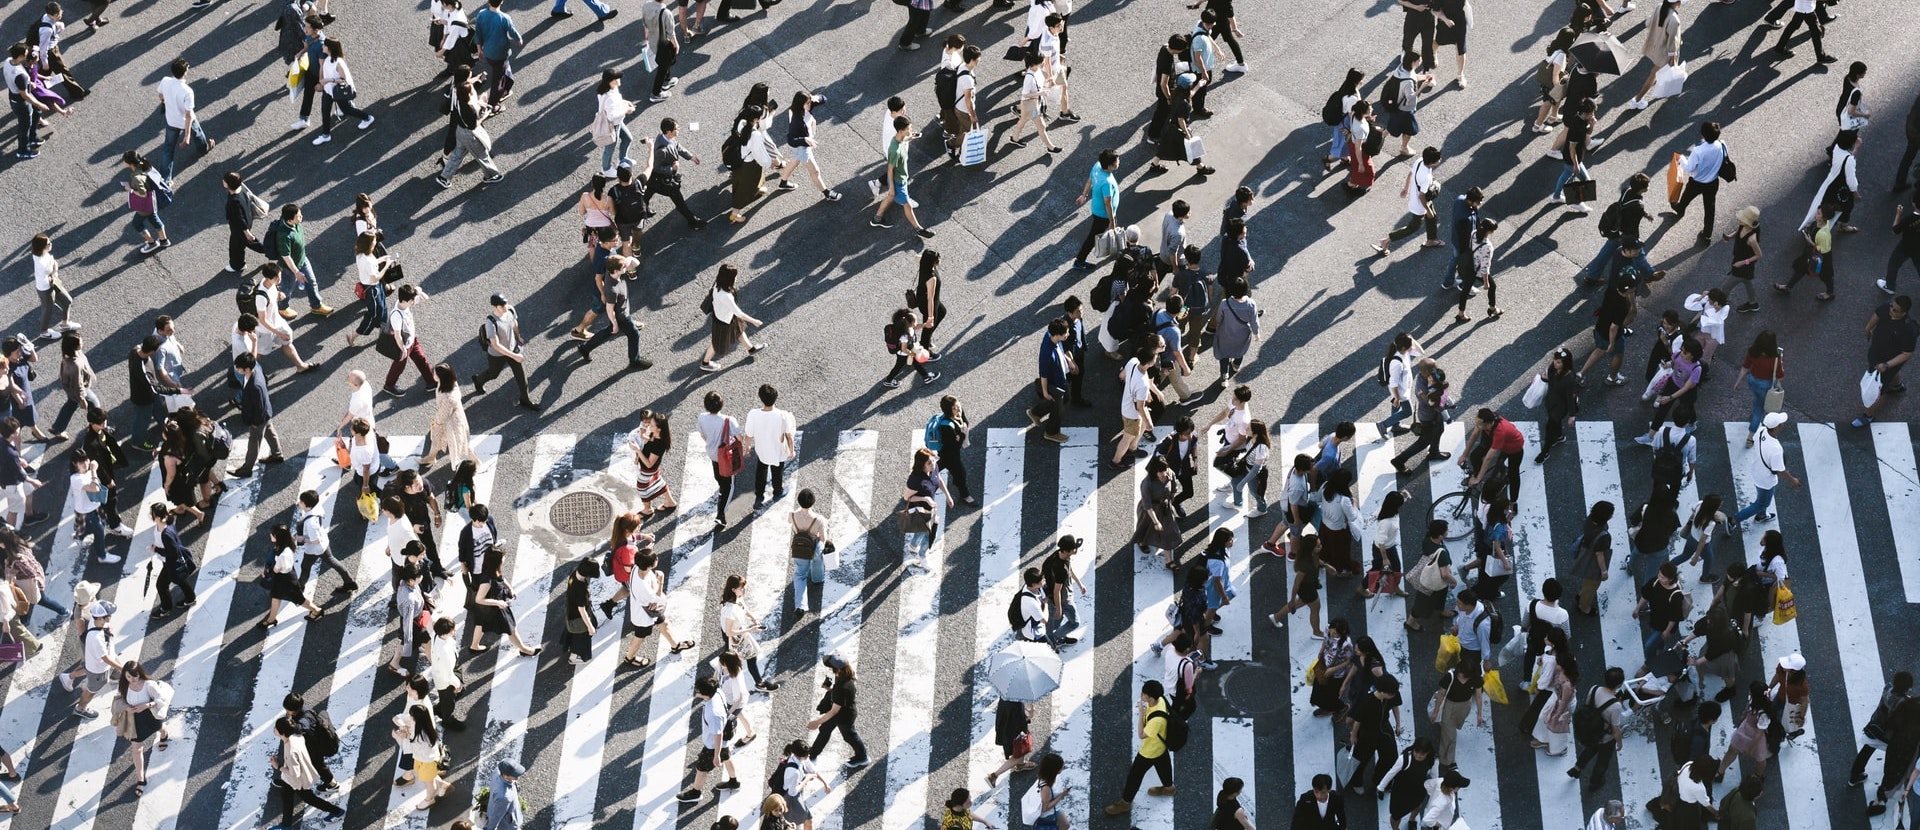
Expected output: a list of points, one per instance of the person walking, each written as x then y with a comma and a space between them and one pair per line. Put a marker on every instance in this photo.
616, 295
53, 293
1876, 731
506, 350
610, 122
296, 774
284, 584
183, 123
27, 107
757, 155
770, 436
1101, 195
1661, 48
809, 547
1746, 252
244, 208
1906, 247
1405, 784
310, 539
646, 610
1806, 13
1153, 752
1035, 85
256, 411
498, 39
801, 142
840, 714
287, 240
493, 613
1050, 389
667, 155
946, 434
897, 179
1236, 328
503, 799
729, 323
1702, 165
1421, 191
404, 334
718, 430
1892, 333
1319, 808
99, 660
337, 89
143, 188
1766, 466
465, 136
661, 22
1598, 751
450, 436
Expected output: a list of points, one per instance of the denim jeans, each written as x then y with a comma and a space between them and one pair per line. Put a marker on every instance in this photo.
28, 118
376, 307
1068, 620
1761, 502
1567, 173
1397, 412
1706, 551
1255, 477
96, 527
1759, 387
808, 571
304, 282
1600, 260
622, 140
172, 143
600, 9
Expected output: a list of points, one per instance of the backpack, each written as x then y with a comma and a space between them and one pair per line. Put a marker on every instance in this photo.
946, 86
486, 341
248, 296
271, 240
1192, 285
162, 191
1610, 219
220, 442
1670, 463
1390, 93
1589, 721
629, 203
777, 783
932, 436
1332, 113
1016, 621
1176, 736
322, 740
1496, 627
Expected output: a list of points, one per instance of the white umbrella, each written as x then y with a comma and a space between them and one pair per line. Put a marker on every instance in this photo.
1024, 671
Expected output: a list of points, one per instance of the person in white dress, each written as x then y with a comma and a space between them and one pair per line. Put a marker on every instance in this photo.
449, 431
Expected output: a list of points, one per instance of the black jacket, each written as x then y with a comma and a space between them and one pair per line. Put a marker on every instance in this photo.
255, 407
1306, 814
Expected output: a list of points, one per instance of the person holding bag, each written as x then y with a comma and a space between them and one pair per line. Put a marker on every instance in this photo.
1430, 578
337, 90
808, 549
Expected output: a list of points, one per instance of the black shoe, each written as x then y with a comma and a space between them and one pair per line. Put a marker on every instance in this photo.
561, 13
1747, 308
688, 796
730, 784
606, 608
528, 405
478, 387
640, 363
858, 763
329, 786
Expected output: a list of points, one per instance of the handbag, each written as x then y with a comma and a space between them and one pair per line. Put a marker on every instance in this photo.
387, 344
916, 520
1784, 608
1425, 576
1668, 81
1536, 393
732, 454
1676, 180
344, 92
369, 506
12, 650
1869, 387
1022, 745
973, 148
1448, 655
341, 455
1580, 191
1776, 397
1196, 149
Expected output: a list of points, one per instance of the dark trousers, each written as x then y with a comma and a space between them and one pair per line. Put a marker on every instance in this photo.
258, 434
1048, 411
1096, 226
916, 25
443, 704
844, 724
1466, 293
237, 247
309, 81
1426, 437
1076, 377
1224, 33
499, 77
669, 53
761, 472
1162, 107
496, 364
1860, 761
168, 579
376, 308
415, 353
580, 645
621, 326
1137, 773
726, 489
290, 800
1707, 191
1376, 755
902, 362
1594, 761
1413, 26
1903, 174
1814, 29
1899, 257
669, 186
328, 102
327, 562
28, 118
956, 468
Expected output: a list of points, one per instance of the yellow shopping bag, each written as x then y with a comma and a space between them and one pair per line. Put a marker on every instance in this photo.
369, 505
1495, 689
1783, 606
1313, 671
1449, 653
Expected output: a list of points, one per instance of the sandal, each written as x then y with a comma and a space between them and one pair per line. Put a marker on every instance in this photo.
139, 788
637, 662
476, 650
164, 743
681, 646
1462, 318
314, 616
1494, 313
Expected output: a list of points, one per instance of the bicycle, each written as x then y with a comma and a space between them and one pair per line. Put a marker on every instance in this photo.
1461, 509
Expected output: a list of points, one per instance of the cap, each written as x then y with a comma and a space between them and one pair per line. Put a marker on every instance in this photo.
512, 768
101, 608
1185, 79
1793, 662
1774, 420
498, 299
1069, 542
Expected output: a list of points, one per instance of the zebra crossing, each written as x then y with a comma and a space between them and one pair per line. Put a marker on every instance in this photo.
608, 745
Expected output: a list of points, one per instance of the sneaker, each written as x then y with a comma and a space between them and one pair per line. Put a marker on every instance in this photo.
149, 247
298, 125
1644, 440
1747, 308
493, 177
1862, 421
1827, 59
66, 682
730, 784
879, 223
831, 195
931, 377
688, 796
925, 234
110, 559
1556, 154
1237, 68
122, 531
890, 384
322, 138
321, 311
366, 122
1616, 380
858, 763
442, 182
26, 155
657, 99
787, 185
1884, 286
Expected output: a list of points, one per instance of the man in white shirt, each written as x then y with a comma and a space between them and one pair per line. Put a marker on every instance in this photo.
713, 741
400, 327
506, 349
26, 108
100, 660
170, 360
1136, 394
716, 426
770, 435
359, 404
1702, 165
442, 654
1033, 608
83, 488
1767, 466
1805, 13
1419, 191
183, 124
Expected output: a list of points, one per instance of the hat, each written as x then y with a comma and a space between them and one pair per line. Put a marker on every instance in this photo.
1749, 216
1793, 662
101, 608
498, 299
84, 592
512, 769
1773, 420
1069, 542
1185, 79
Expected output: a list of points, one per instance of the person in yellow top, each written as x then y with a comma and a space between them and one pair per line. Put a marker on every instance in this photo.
1155, 747
1816, 259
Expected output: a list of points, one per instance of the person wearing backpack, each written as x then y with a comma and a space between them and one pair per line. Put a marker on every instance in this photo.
322, 741
1620, 221
143, 191
946, 434
954, 87
1160, 735
1421, 190
1400, 97
1596, 725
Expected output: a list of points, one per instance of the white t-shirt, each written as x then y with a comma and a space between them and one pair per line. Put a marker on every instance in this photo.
44, 268
644, 590
98, 650
1037, 18
364, 457
614, 107
1768, 459
77, 495
732, 614
1552, 615
1136, 390
713, 722
1386, 533
1048, 45
360, 404
178, 97
766, 427
734, 690
711, 426
724, 308
1031, 83
369, 268
400, 320
442, 652
1239, 423
398, 535
1422, 179
961, 86
1338, 514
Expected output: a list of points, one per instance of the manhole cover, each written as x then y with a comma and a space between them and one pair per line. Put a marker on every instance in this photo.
1252, 689
582, 513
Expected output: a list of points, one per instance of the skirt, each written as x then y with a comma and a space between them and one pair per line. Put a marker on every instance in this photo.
1401, 122
1336, 550
493, 619
1359, 168
746, 184
286, 587
650, 483
725, 336
146, 725
1173, 147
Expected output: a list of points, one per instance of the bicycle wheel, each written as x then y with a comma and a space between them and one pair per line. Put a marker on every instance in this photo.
1456, 509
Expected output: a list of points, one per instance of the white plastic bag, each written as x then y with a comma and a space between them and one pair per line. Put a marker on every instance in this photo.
973, 148
1536, 392
1659, 382
1668, 81
1869, 387
1196, 149
1030, 805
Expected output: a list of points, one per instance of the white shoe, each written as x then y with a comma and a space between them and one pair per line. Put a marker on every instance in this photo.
1637, 104
366, 122
122, 531
66, 680
1883, 286
1555, 198
1556, 154
229, 270
111, 559
322, 139
1581, 209
1236, 67
298, 125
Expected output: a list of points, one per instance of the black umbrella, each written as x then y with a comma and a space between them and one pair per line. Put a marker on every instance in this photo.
1601, 53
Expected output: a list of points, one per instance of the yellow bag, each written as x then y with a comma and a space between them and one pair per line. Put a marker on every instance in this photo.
297, 70
1495, 689
1784, 610
1449, 653
1313, 671
369, 505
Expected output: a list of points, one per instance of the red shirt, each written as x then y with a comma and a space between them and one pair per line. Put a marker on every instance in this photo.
623, 563
1507, 438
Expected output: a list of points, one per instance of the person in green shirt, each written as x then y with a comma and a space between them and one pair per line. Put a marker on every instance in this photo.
1736, 810
1153, 751
898, 179
288, 240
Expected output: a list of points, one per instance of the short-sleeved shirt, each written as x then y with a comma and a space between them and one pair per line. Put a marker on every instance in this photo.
293, 243
1422, 181
922, 484
1056, 572
711, 426
766, 427
842, 696
44, 268
622, 563
1891, 338
1507, 438
97, 651
1907, 227
1173, 236
1769, 459
713, 722
178, 98
1136, 390
1104, 188
77, 497
1613, 312
897, 161
1154, 744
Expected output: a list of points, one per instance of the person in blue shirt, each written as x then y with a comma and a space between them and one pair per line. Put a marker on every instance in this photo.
314, 43
498, 40
600, 10
1055, 364
1466, 214
1101, 195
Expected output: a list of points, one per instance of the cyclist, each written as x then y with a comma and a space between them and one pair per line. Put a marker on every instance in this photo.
1494, 441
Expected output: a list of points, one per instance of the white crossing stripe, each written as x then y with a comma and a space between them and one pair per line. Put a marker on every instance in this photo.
911, 718
1152, 591
767, 577
1312, 736
1846, 584
1534, 556
1900, 479
841, 613
1235, 640
1072, 703
1722, 732
1799, 759
1233, 758
1003, 488
1473, 744
1386, 614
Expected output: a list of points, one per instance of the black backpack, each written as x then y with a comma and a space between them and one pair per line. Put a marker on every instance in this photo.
247, 298
1496, 627
629, 202
1332, 113
1015, 620
1610, 219
1176, 737
777, 782
946, 86
1390, 94
220, 442
1589, 721
322, 740
1670, 463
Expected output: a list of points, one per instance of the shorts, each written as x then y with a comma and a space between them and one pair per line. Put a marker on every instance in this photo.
900, 195
639, 631
426, 771
97, 683
710, 758
1619, 345
629, 231
802, 153
149, 223
1131, 426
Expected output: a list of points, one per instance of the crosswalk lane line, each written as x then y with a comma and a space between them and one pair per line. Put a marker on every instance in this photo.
1386, 614
1072, 703
1233, 756
509, 692
1473, 745
1799, 759
590, 693
245, 800
1534, 557
350, 701
1312, 737
1722, 732
911, 712
450, 601
1900, 479
1848, 602
840, 601
1638, 759
663, 767
1003, 488
767, 576
193, 669
1235, 640
1152, 590
33, 679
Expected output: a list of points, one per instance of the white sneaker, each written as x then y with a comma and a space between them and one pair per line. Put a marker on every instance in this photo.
1556, 154
1581, 209
1884, 286
366, 122
122, 531
1555, 198
322, 139
111, 559
66, 681
1236, 67
298, 125
1637, 104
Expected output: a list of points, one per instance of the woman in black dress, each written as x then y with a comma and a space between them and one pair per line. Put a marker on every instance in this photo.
1173, 139
493, 605
925, 299
283, 578
1406, 783
145, 702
